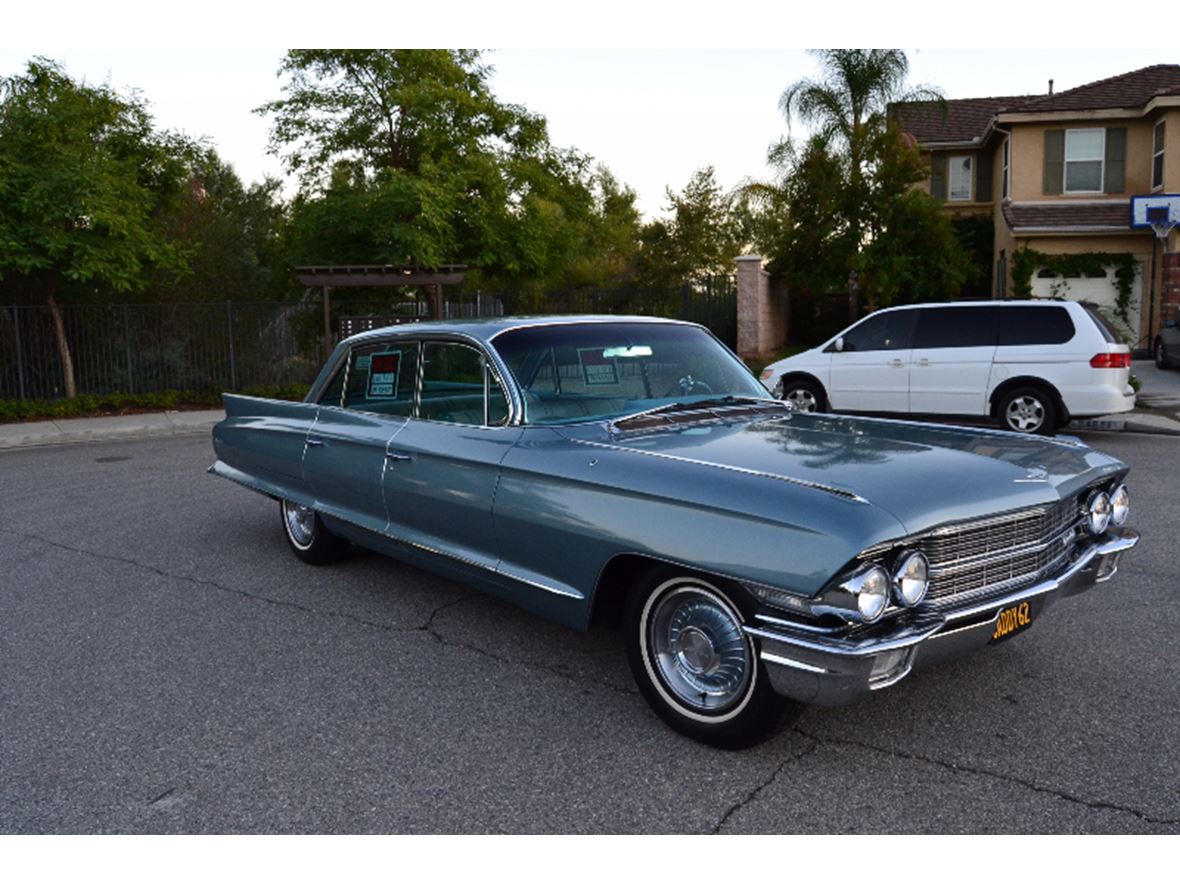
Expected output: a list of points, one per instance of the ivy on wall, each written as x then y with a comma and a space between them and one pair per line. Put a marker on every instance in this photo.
1025, 262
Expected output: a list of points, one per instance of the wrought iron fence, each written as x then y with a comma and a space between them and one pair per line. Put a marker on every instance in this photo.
148, 348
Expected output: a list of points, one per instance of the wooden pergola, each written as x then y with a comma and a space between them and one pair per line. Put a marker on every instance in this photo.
346, 276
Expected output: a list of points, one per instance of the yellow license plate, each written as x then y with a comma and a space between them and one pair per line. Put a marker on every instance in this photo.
1012, 620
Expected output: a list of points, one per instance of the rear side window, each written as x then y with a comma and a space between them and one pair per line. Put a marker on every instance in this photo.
885, 331
1035, 324
381, 378
1108, 334
956, 327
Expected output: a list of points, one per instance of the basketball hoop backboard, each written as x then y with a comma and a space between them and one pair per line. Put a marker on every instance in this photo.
1158, 211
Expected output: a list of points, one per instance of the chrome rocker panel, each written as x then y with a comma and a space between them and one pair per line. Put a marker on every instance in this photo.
814, 668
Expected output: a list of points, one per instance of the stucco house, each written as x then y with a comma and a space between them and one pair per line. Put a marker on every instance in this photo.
1055, 173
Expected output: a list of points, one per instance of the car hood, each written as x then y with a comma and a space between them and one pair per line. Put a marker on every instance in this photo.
923, 475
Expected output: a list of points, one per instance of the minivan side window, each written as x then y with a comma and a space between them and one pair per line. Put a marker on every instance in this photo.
885, 331
955, 327
1035, 324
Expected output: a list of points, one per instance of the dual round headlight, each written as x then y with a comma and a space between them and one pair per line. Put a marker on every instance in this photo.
873, 586
1120, 506
1098, 512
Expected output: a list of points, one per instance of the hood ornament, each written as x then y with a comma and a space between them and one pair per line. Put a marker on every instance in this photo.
1035, 474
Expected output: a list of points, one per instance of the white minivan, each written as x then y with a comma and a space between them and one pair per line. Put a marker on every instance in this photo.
1030, 365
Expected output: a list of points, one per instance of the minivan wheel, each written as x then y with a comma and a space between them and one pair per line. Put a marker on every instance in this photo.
1027, 410
805, 396
1161, 355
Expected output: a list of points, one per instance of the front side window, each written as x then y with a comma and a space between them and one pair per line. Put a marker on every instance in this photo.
458, 387
1084, 158
1157, 157
883, 331
959, 172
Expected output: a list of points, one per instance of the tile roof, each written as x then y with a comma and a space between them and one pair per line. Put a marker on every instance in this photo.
957, 119
1131, 90
1066, 214
964, 119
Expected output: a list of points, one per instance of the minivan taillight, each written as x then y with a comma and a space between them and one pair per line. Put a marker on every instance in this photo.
1111, 361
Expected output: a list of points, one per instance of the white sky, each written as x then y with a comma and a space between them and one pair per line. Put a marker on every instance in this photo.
678, 93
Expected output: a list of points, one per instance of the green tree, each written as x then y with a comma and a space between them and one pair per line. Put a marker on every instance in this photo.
84, 178
869, 218
406, 157
702, 234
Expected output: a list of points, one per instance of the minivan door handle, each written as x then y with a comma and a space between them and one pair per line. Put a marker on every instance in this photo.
923, 362
896, 364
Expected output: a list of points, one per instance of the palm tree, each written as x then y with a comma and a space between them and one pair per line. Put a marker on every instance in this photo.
846, 108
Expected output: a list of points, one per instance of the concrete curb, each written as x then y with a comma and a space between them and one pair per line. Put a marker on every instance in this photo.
77, 430
1119, 425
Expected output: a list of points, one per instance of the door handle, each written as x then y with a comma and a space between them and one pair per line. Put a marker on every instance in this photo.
923, 362
312, 441
398, 456
895, 364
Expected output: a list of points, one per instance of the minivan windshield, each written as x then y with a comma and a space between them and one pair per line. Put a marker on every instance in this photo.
576, 372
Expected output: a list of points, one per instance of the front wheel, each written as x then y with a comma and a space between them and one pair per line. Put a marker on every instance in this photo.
805, 396
307, 535
1027, 410
696, 666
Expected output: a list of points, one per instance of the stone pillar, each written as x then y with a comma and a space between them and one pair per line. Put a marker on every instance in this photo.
761, 314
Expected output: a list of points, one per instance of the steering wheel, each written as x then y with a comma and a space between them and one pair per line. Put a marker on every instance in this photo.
687, 386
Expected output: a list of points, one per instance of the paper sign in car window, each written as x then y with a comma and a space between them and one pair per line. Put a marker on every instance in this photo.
597, 369
384, 369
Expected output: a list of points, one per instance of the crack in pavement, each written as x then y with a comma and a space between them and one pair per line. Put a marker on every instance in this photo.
757, 791
427, 627
1095, 804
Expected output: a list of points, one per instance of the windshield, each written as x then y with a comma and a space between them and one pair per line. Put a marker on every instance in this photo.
597, 371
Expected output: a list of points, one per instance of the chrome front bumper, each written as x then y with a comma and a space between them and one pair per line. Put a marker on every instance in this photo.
817, 667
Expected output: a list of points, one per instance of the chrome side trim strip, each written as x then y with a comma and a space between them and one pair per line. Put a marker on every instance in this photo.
787, 662
838, 492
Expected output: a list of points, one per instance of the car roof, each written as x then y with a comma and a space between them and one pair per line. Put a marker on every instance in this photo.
991, 302
486, 328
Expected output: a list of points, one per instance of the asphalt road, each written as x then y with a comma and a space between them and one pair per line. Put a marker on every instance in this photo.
166, 665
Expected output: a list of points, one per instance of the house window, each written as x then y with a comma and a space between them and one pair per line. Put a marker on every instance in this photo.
959, 174
1006, 183
1157, 157
1085, 151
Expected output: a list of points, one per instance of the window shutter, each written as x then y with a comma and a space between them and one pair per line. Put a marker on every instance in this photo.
983, 177
1054, 160
1116, 160
938, 176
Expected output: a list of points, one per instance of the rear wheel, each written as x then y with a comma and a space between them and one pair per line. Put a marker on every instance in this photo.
1162, 361
307, 536
1027, 410
695, 664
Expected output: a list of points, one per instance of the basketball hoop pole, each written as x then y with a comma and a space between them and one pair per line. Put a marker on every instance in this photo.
1161, 229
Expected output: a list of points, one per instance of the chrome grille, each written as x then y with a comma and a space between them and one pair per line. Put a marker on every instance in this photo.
986, 556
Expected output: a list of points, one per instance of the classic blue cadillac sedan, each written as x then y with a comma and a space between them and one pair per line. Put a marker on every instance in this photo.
632, 469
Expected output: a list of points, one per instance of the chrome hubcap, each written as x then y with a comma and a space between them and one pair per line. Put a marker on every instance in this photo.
802, 400
1025, 413
699, 650
300, 522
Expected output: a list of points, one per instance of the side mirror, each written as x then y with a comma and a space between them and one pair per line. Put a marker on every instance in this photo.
840, 344
1169, 324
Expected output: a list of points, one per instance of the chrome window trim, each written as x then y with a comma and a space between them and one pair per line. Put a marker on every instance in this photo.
510, 393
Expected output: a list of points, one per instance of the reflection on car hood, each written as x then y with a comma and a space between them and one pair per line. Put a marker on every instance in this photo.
922, 474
